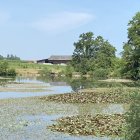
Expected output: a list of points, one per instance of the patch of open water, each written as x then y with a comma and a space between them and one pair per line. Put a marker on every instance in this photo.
52, 90
55, 89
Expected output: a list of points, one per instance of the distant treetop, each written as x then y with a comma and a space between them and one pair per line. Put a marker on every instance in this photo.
9, 57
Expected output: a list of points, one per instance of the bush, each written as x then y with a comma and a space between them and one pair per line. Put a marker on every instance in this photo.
102, 73
11, 72
3, 68
69, 70
44, 72
133, 119
5, 71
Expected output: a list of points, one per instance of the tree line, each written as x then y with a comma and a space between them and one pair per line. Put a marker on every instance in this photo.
9, 57
97, 56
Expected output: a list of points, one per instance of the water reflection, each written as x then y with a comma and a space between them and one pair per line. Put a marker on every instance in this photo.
83, 83
29, 79
56, 85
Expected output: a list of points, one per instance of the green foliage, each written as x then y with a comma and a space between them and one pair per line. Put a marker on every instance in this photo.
45, 72
11, 72
1, 57
69, 70
5, 71
118, 67
131, 53
102, 73
12, 57
9, 57
133, 119
92, 53
49, 70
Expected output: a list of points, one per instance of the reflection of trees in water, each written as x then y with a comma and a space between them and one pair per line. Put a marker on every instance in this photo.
133, 119
77, 84
25, 78
83, 83
49, 79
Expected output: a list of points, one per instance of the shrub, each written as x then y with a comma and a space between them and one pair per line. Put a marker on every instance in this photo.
45, 71
11, 72
100, 73
5, 71
69, 70
133, 119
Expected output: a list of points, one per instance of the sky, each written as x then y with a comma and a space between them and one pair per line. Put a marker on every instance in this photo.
36, 29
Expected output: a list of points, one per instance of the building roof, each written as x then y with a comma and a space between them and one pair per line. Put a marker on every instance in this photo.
42, 60
60, 57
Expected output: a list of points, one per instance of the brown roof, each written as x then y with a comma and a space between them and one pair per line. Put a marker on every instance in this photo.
60, 57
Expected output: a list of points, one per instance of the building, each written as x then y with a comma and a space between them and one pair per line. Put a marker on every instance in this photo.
57, 59
42, 61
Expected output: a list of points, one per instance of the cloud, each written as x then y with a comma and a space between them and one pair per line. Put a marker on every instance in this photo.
62, 21
4, 17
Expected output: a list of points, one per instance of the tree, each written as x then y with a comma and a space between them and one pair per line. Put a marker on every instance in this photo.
105, 53
1, 57
12, 57
91, 53
131, 53
3, 68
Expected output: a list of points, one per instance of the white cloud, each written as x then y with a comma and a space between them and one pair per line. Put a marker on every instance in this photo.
4, 17
62, 21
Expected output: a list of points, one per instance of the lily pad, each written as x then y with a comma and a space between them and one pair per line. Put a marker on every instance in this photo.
114, 95
99, 125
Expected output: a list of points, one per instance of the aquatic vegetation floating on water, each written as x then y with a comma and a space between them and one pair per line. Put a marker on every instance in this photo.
116, 95
99, 125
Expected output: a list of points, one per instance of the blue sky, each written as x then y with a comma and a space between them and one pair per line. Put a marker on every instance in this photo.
36, 29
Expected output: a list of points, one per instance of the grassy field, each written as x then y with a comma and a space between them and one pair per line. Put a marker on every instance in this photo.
24, 67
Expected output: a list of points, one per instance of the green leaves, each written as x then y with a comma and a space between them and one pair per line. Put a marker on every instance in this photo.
5, 71
133, 119
131, 53
92, 53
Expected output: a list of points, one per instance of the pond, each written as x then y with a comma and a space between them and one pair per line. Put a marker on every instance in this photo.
40, 86
28, 118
